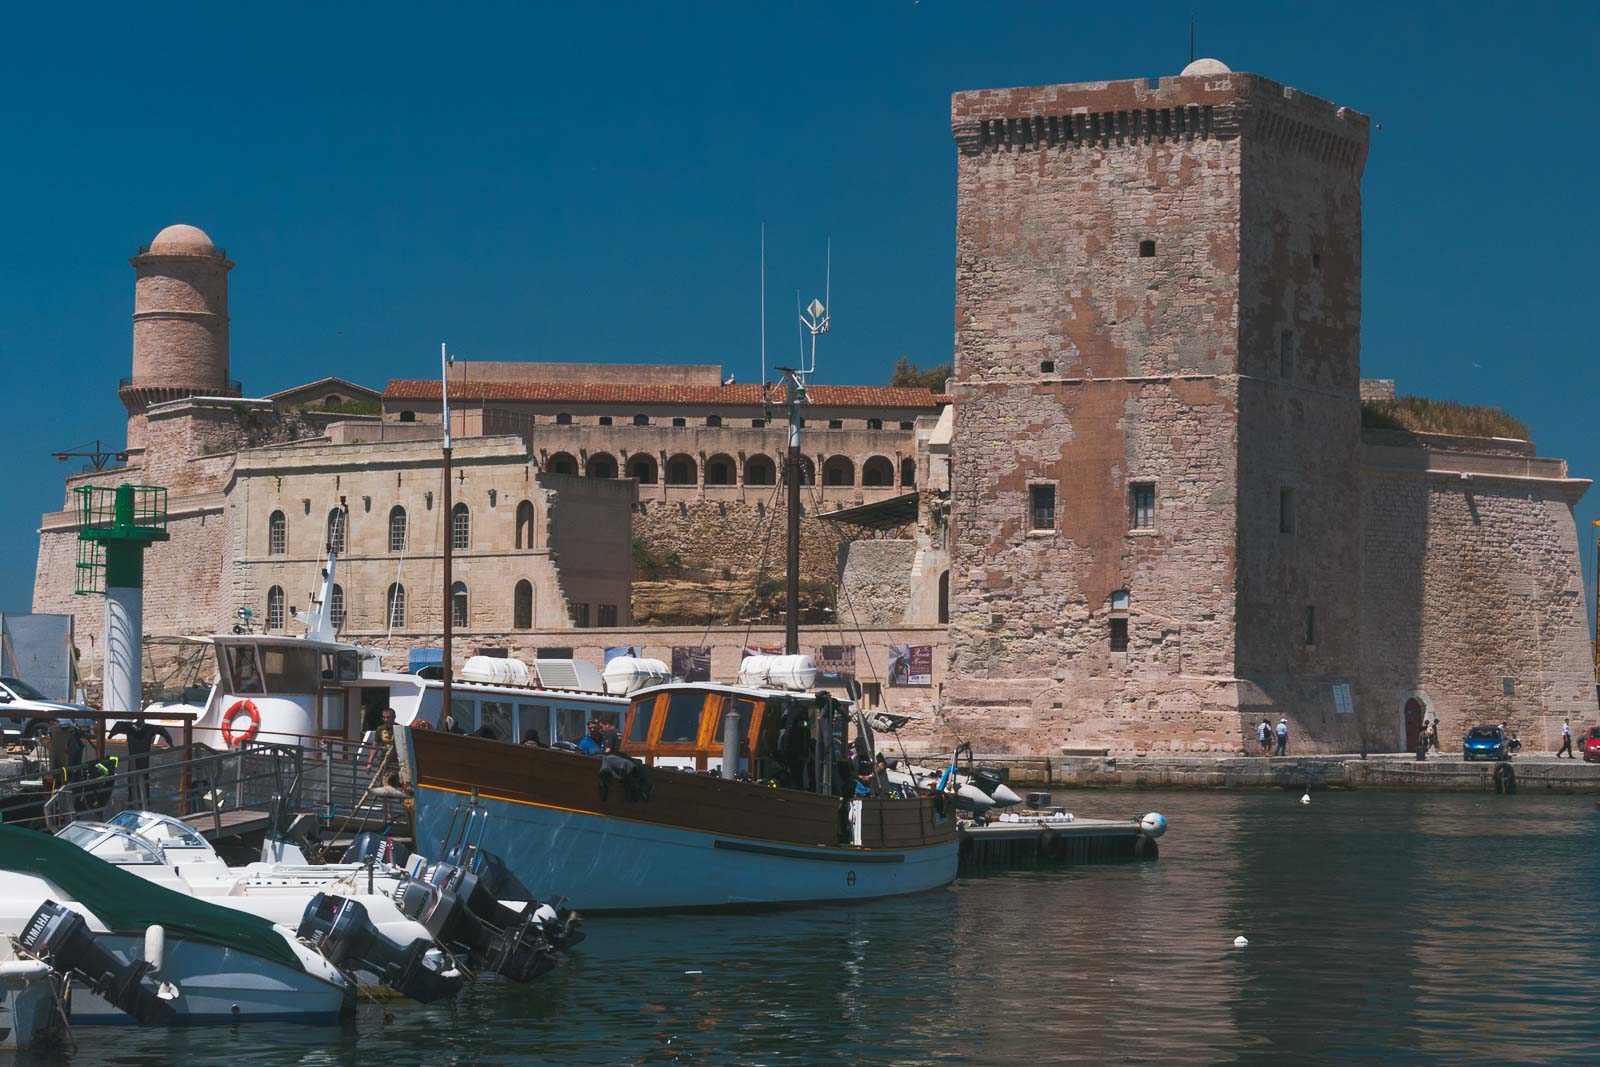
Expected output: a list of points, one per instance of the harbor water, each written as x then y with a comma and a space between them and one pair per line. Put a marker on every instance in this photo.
1402, 928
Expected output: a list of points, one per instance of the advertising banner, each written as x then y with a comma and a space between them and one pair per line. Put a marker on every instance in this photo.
910, 665
836, 665
691, 663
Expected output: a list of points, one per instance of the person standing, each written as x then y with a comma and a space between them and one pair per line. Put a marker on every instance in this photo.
141, 736
1566, 740
1264, 736
1433, 734
1283, 736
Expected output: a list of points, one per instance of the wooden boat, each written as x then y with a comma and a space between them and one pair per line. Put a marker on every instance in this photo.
791, 831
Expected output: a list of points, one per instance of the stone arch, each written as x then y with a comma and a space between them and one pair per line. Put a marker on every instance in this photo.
336, 530
277, 534
760, 470
642, 466
1419, 704
877, 471
808, 470
682, 469
336, 608
395, 607
602, 465
562, 463
721, 470
408, 416
563, 419
458, 605
397, 529
838, 471
460, 527
275, 611
525, 524
908, 471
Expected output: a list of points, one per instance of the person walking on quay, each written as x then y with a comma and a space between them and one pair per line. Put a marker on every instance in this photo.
1264, 735
1433, 734
1283, 737
1566, 740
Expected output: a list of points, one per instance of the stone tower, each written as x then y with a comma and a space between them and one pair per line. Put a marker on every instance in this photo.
1158, 298
180, 325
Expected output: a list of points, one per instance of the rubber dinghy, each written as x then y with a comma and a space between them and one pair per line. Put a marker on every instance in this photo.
136, 948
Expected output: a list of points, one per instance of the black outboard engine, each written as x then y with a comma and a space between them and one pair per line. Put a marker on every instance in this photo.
60, 936
340, 929
377, 848
492, 882
517, 951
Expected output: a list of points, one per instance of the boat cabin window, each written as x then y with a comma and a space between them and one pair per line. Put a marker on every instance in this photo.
465, 712
747, 713
612, 719
243, 675
569, 725
340, 667
496, 719
289, 670
683, 718
639, 728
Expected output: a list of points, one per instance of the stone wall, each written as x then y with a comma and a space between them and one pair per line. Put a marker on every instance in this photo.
1473, 601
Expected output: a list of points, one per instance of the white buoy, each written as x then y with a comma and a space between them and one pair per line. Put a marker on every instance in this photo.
1305, 798
1153, 825
1241, 941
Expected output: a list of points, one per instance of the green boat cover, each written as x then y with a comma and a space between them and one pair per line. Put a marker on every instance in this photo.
127, 903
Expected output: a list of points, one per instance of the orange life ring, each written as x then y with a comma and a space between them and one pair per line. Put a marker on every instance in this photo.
249, 708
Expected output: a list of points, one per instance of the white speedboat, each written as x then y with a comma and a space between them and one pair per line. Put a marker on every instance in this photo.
138, 948
27, 999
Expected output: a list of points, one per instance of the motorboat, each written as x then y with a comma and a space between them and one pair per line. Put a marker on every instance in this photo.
137, 948
27, 999
729, 795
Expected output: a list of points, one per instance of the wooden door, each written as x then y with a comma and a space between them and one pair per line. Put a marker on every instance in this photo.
1413, 724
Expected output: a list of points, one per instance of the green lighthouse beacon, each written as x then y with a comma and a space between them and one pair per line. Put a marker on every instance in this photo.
115, 526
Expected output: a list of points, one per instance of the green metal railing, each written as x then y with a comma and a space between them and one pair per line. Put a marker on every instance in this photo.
132, 512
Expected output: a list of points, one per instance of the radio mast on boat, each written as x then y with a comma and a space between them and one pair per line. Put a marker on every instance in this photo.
445, 359
816, 319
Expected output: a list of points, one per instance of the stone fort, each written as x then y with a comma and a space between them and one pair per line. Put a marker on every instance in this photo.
1144, 515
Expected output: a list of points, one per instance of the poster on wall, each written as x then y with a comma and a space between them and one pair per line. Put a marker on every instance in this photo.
636, 651
910, 665
761, 650
836, 665
691, 663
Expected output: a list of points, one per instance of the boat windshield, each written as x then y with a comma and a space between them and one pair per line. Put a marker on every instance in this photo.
112, 844
251, 669
160, 830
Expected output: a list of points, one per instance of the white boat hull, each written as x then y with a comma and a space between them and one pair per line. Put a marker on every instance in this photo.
601, 863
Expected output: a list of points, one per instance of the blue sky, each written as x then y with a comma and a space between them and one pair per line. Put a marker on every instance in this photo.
588, 185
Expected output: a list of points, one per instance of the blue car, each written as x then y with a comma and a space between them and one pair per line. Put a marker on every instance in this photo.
1486, 742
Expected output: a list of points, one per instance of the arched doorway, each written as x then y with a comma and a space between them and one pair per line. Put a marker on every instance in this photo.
1413, 716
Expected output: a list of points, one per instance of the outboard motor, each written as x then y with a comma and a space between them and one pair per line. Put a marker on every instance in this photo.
562, 926
61, 937
340, 929
517, 952
371, 846
492, 883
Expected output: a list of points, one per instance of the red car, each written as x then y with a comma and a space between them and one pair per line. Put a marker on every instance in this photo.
1591, 745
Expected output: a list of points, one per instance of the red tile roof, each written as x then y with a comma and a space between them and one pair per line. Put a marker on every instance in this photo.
853, 396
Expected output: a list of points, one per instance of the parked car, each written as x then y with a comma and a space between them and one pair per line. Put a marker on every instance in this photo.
1591, 745
17, 695
1486, 742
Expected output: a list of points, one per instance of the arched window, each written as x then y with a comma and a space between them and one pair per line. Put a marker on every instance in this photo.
713, 420
808, 470
408, 416
563, 419
336, 521
460, 527
562, 463
332, 401
908, 471
877, 470
277, 534
874, 424
336, 614
643, 468
396, 606
681, 470
525, 524
602, 465
760, 470
522, 606
458, 604
397, 529
641, 420
720, 470
838, 470
275, 608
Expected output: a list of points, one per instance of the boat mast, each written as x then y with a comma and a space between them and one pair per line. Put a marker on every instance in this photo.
814, 318
449, 535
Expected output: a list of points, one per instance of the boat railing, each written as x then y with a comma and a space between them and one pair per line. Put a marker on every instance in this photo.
219, 792
338, 779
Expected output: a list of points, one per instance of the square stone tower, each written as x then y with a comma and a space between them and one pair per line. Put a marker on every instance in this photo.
1157, 417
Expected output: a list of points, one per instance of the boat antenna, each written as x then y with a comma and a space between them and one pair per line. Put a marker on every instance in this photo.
447, 671
815, 319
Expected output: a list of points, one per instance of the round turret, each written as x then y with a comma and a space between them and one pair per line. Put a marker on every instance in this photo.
1202, 67
180, 324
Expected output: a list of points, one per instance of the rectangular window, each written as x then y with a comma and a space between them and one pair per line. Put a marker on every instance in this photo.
682, 725
639, 728
608, 615
580, 616
1119, 635
1286, 355
1142, 505
605, 420
497, 720
835, 424
1311, 624
1343, 703
1286, 511
1042, 506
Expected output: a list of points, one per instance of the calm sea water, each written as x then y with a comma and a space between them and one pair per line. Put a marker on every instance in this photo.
1382, 927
